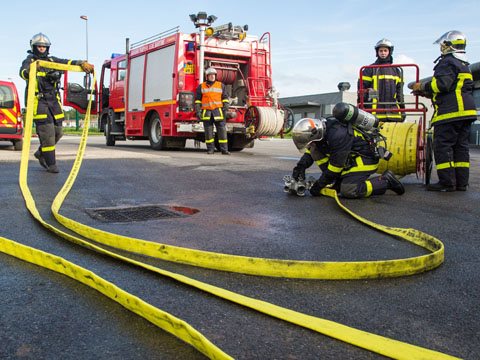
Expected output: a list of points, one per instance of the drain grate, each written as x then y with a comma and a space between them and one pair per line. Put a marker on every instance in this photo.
132, 214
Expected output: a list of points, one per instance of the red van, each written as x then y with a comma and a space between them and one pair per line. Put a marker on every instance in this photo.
11, 128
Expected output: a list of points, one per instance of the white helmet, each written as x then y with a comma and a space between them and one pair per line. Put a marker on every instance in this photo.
307, 130
384, 43
40, 40
210, 70
453, 42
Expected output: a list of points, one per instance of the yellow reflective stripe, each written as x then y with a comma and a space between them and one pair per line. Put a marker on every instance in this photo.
198, 101
445, 165
41, 73
222, 141
462, 164
381, 116
334, 169
458, 91
307, 151
434, 86
322, 161
41, 116
369, 188
24, 77
390, 77
457, 42
59, 116
209, 141
366, 78
454, 114
360, 166
48, 148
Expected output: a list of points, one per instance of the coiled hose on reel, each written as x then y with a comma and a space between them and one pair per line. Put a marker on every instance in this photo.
402, 143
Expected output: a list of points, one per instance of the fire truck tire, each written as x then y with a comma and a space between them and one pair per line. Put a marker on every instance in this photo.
109, 139
18, 145
157, 141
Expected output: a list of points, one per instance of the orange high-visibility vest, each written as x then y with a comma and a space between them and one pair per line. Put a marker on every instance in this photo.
212, 96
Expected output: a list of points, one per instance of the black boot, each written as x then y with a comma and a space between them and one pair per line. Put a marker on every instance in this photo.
393, 183
52, 168
440, 187
38, 154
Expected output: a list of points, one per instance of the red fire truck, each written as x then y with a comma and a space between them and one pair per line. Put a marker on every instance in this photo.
11, 128
148, 92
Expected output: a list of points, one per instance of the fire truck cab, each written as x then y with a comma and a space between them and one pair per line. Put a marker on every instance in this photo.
148, 92
11, 127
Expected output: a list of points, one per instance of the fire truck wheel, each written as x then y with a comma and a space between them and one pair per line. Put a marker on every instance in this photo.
157, 141
109, 139
18, 145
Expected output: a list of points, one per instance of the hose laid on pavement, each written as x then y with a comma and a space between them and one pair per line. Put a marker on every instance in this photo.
268, 267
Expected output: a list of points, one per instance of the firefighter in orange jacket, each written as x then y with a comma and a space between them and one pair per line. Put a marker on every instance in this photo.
211, 106
47, 112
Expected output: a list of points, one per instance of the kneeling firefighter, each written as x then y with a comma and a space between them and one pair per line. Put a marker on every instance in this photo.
345, 148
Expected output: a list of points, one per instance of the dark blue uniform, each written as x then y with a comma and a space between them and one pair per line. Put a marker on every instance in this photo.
346, 159
451, 91
47, 107
389, 86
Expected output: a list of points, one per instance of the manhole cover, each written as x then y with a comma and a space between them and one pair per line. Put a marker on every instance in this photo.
137, 213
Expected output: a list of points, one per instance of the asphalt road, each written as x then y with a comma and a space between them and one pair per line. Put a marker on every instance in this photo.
242, 210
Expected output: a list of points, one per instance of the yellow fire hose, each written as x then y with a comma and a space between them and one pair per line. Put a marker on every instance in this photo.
248, 265
402, 143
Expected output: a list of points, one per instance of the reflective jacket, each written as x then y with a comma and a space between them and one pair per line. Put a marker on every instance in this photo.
451, 90
213, 98
47, 96
389, 87
342, 152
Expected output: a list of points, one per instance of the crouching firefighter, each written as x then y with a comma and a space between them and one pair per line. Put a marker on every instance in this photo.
345, 148
211, 106
47, 107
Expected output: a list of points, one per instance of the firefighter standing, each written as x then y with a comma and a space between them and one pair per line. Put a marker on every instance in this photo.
47, 113
211, 106
345, 155
451, 91
387, 84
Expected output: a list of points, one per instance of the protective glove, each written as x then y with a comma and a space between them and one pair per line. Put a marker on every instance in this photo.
317, 186
198, 111
298, 173
88, 68
226, 106
419, 89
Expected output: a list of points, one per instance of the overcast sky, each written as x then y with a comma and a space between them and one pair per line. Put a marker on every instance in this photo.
315, 44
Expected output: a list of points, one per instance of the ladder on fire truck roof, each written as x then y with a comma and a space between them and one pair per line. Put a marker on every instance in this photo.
259, 86
156, 37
